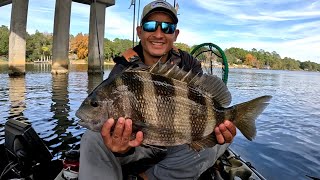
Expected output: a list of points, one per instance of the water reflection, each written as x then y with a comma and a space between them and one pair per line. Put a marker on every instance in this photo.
93, 81
13, 101
42, 67
61, 109
17, 91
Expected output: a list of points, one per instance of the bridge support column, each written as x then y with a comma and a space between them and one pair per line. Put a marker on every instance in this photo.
60, 47
17, 38
96, 38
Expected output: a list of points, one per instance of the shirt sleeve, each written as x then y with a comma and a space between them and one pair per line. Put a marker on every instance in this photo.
190, 63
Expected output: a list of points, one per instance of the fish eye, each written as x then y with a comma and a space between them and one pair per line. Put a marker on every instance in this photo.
94, 103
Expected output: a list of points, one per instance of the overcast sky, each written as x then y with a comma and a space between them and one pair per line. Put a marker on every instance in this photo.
289, 27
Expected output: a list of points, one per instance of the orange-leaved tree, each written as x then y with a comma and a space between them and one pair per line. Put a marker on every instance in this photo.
79, 45
250, 60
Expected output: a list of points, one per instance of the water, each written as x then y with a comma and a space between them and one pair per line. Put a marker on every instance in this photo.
287, 145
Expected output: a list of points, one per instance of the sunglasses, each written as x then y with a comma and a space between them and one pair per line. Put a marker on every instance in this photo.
152, 26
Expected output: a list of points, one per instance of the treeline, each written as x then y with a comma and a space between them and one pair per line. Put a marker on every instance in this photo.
40, 44
264, 59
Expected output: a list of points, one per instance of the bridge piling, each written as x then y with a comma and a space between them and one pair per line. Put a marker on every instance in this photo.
17, 38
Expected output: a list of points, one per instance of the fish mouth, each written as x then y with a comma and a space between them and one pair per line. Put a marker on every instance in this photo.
89, 122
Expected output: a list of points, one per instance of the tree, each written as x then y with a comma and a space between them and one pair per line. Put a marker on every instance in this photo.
250, 60
79, 45
108, 51
182, 46
37, 45
230, 57
120, 45
4, 40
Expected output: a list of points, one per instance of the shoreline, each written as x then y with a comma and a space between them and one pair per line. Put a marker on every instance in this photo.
2, 62
111, 63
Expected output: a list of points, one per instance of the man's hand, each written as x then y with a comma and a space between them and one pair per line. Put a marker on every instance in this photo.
225, 132
119, 141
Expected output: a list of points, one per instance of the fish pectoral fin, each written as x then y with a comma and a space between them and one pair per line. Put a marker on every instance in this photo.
207, 141
138, 126
160, 148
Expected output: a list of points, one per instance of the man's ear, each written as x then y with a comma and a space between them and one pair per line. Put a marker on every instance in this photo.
139, 29
176, 33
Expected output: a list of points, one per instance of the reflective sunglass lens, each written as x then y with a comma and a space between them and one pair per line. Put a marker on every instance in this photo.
165, 27
151, 26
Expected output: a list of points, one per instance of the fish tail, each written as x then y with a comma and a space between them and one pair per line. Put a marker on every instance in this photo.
245, 114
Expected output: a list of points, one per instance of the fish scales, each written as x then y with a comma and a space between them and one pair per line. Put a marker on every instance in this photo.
164, 109
169, 105
172, 106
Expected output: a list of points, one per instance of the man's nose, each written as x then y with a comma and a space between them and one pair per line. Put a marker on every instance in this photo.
158, 32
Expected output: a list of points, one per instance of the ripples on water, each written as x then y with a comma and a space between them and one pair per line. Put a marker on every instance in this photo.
48, 102
288, 139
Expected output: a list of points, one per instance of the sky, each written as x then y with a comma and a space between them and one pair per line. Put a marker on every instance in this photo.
289, 27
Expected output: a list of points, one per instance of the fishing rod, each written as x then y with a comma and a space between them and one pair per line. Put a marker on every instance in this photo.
138, 19
133, 3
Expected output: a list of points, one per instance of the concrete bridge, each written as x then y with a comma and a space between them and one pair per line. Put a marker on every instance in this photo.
60, 49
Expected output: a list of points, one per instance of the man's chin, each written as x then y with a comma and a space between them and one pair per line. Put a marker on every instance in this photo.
158, 53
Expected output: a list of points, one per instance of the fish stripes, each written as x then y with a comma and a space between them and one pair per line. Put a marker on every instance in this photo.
198, 113
165, 103
170, 106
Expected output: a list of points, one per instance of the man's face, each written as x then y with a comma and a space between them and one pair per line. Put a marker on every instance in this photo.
156, 44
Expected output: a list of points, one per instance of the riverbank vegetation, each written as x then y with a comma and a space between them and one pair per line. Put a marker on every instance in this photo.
40, 44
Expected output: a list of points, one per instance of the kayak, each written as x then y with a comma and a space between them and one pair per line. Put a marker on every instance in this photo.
228, 166
24, 155
231, 166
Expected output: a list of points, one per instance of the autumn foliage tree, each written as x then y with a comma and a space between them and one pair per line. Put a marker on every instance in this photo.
79, 45
250, 60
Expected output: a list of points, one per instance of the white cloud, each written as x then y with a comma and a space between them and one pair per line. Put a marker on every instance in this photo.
288, 27
118, 24
301, 27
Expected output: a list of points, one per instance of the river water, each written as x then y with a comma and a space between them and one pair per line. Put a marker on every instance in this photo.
287, 145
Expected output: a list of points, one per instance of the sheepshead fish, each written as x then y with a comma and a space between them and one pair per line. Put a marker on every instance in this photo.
169, 105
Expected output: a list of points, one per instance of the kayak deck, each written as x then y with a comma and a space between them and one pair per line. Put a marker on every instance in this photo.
231, 166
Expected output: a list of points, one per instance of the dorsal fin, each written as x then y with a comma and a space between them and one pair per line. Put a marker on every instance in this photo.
210, 84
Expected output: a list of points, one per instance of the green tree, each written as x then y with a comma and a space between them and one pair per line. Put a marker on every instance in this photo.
108, 49
37, 45
230, 57
182, 46
4, 40
120, 45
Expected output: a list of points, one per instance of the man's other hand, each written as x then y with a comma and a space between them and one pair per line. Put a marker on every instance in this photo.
225, 132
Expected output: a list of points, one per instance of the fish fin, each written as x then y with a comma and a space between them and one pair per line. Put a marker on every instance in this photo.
138, 126
210, 84
171, 71
214, 87
161, 148
207, 141
188, 77
246, 113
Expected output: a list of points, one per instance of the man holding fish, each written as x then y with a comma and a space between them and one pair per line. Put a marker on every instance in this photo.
104, 153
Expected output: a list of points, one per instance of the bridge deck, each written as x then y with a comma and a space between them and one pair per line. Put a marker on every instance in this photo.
107, 2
